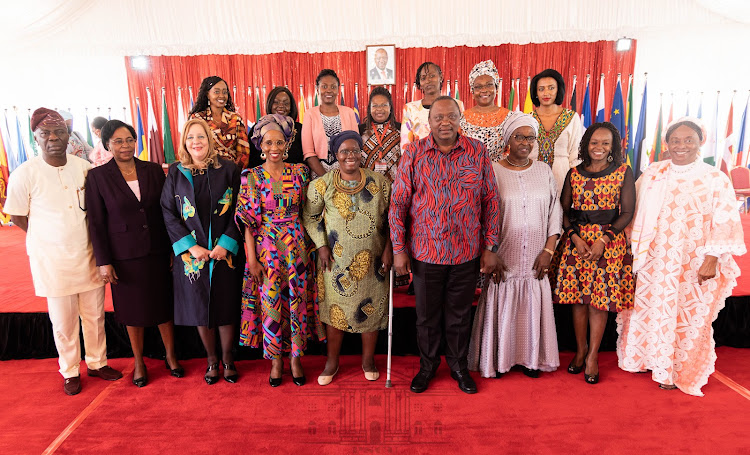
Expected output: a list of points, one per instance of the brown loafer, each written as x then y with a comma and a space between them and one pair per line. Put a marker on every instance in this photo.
106, 372
72, 386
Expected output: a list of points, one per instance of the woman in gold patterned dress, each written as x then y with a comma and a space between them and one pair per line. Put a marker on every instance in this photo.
346, 216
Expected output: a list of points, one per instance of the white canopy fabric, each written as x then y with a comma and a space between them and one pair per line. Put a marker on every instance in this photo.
70, 54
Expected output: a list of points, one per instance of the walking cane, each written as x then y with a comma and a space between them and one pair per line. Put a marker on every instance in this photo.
390, 330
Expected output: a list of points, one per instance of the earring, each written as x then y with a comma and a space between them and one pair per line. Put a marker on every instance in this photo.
610, 159
285, 156
262, 155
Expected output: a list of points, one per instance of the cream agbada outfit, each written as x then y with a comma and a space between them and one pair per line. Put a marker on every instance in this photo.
60, 255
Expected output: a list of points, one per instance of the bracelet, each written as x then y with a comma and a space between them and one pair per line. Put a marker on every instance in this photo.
602, 239
551, 253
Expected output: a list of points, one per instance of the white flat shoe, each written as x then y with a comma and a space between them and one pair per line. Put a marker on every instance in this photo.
325, 380
371, 375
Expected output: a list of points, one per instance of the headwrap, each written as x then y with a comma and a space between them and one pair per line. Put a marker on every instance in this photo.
47, 117
515, 120
270, 122
485, 68
697, 122
337, 139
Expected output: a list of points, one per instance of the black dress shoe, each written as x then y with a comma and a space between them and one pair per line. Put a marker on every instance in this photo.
465, 383
421, 381
232, 377
140, 382
177, 372
275, 382
210, 380
529, 372
300, 381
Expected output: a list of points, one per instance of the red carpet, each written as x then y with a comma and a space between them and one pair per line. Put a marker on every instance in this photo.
557, 413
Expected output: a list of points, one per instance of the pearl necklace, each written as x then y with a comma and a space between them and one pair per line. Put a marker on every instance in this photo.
517, 165
682, 169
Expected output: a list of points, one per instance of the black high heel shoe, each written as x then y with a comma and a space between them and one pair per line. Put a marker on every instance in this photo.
274, 382
300, 381
591, 378
232, 377
141, 382
177, 372
575, 369
210, 380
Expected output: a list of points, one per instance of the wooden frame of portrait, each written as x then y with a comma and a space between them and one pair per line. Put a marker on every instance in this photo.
383, 70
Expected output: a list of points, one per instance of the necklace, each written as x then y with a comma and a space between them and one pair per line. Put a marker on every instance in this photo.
129, 172
682, 169
517, 165
340, 186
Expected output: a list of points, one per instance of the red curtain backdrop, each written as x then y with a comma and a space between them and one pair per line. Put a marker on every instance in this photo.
293, 68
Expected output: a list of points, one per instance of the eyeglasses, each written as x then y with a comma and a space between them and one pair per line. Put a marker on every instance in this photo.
380, 106
119, 142
269, 143
487, 86
352, 152
522, 138
450, 117
284, 103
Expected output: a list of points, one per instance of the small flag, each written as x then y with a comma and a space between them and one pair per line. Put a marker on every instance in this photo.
155, 146
22, 156
711, 148
356, 103
512, 95
341, 100
192, 103
413, 91
671, 108
742, 156
586, 108
406, 90
315, 102
687, 104
600, 102
301, 104
141, 149
456, 85
169, 156
638, 142
32, 140
629, 126
728, 158
449, 88
617, 116
656, 148
528, 106
700, 107
9, 147
88, 130
4, 173
573, 97
257, 104
517, 103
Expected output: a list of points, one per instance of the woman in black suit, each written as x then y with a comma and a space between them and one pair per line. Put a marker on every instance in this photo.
281, 101
130, 243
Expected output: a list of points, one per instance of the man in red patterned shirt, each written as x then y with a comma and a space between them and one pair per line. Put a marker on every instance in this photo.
444, 222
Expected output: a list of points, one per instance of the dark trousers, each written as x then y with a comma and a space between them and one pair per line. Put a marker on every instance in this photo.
444, 293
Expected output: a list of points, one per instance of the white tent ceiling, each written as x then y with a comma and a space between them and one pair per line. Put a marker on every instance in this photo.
70, 53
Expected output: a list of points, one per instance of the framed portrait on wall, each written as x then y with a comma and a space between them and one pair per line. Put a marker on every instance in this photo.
381, 66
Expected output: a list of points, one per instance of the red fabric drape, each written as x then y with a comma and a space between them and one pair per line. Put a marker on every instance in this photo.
293, 68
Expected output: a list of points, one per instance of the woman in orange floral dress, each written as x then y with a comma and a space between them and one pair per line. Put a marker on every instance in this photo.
595, 271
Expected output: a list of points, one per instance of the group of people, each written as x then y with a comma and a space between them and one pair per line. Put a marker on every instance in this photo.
290, 235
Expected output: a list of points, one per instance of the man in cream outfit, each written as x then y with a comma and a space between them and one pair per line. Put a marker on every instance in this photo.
46, 199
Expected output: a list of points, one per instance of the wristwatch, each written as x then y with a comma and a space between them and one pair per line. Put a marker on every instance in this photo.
493, 248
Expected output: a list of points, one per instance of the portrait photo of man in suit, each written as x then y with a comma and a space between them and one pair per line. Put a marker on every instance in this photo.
382, 72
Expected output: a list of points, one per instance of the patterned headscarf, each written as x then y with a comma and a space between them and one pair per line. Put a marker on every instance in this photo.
47, 117
337, 139
270, 122
485, 68
515, 120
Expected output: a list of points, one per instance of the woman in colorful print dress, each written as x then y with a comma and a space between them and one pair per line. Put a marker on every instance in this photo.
595, 273
485, 120
198, 203
279, 312
214, 105
685, 231
560, 129
346, 215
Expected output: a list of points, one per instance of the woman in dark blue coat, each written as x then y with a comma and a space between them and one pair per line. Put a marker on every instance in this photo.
198, 202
